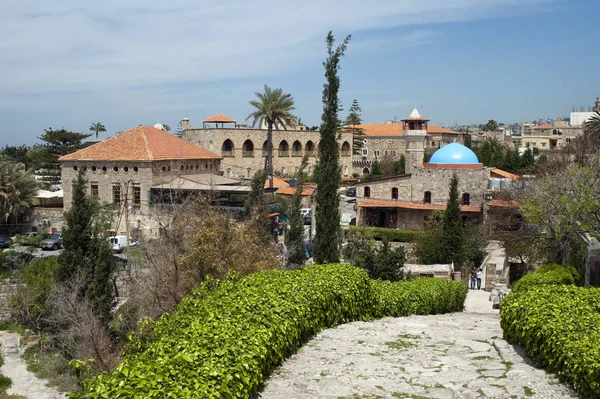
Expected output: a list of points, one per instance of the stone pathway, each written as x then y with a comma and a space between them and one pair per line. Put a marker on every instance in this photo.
457, 355
24, 382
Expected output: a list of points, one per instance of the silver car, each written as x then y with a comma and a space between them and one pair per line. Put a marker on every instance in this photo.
52, 241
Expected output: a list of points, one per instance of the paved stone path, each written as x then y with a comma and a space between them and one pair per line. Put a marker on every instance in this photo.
457, 355
24, 382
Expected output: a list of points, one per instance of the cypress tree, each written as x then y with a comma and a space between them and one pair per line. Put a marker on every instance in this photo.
468, 141
328, 172
527, 160
100, 292
453, 229
294, 239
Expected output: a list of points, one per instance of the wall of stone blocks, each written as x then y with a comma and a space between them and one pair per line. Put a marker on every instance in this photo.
382, 189
244, 163
47, 220
437, 181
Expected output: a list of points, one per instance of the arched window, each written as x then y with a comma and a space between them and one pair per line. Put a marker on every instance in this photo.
365, 171
427, 197
346, 149
395, 193
309, 148
367, 192
466, 199
265, 148
227, 148
296, 149
248, 148
284, 149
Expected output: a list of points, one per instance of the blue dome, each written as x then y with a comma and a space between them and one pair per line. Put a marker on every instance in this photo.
454, 153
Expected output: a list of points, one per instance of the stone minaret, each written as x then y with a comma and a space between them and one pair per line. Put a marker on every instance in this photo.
414, 130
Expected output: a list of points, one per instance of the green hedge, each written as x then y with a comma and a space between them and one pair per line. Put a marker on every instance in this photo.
223, 342
550, 274
559, 327
380, 233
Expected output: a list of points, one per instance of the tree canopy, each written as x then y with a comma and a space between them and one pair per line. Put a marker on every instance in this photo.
18, 190
97, 128
490, 126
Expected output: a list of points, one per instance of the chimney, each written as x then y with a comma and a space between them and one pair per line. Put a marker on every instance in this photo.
185, 124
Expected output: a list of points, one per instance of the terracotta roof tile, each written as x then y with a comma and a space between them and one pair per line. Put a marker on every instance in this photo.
503, 174
413, 205
219, 118
142, 143
395, 129
292, 190
543, 126
503, 203
277, 182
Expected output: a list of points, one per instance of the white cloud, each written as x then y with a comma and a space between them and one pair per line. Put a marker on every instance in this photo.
66, 46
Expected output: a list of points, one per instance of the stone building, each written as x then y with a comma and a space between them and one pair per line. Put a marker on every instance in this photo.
551, 137
243, 150
134, 169
389, 140
406, 201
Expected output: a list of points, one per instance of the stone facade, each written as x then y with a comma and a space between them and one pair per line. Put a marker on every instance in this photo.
437, 182
244, 149
547, 137
46, 220
377, 148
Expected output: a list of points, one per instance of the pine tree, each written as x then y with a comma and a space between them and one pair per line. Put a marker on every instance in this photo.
452, 229
468, 141
294, 239
353, 121
527, 160
100, 292
328, 173
400, 166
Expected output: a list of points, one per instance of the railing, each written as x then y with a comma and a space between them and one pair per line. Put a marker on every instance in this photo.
284, 153
227, 153
247, 154
296, 153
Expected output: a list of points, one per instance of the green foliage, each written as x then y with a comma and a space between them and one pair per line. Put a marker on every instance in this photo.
559, 327
381, 262
453, 234
328, 173
491, 152
57, 143
18, 189
490, 126
382, 233
400, 166
16, 154
100, 292
228, 336
468, 141
30, 303
255, 197
5, 383
550, 274
294, 238
427, 156
99, 127
352, 122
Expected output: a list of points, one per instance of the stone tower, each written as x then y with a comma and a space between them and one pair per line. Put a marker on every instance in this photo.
414, 130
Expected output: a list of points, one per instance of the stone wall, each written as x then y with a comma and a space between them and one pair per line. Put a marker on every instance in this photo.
46, 220
7, 290
437, 181
382, 188
243, 155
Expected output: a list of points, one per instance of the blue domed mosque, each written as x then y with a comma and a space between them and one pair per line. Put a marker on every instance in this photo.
406, 201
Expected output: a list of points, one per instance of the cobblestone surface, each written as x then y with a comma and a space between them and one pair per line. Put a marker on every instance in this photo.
458, 355
24, 382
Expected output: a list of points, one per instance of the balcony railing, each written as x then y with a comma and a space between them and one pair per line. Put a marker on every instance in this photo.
296, 153
284, 153
227, 153
247, 154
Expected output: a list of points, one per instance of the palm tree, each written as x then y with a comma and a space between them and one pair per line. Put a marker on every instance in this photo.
167, 127
97, 127
593, 125
18, 189
273, 108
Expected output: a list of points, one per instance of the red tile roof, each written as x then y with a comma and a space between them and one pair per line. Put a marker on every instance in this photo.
413, 205
543, 126
142, 143
503, 174
503, 203
292, 190
219, 118
277, 182
395, 129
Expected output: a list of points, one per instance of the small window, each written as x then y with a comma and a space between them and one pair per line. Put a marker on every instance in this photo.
427, 197
367, 192
376, 152
395, 193
137, 195
104, 169
365, 141
365, 151
187, 167
116, 193
74, 168
182, 167
135, 169
466, 199
125, 169
94, 190
164, 168
115, 169
543, 144
376, 141
94, 169
432, 142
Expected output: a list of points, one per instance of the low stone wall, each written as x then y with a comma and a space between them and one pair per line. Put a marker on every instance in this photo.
7, 289
436, 271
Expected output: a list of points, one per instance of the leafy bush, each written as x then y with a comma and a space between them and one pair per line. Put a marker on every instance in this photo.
382, 233
5, 383
559, 327
550, 274
228, 335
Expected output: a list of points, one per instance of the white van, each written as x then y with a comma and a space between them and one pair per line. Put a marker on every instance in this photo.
119, 243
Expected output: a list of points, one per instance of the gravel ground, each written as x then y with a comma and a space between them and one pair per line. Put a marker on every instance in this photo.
457, 355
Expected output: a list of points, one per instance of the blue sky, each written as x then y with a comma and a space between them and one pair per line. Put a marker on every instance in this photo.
67, 64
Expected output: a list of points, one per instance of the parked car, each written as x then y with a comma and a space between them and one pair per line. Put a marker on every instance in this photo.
5, 241
351, 192
51, 241
308, 218
119, 243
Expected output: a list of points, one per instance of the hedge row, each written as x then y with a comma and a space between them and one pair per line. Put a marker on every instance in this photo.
550, 274
559, 327
381, 233
224, 342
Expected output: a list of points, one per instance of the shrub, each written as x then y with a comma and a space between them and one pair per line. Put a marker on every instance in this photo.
5, 383
228, 335
382, 233
550, 274
559, 327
